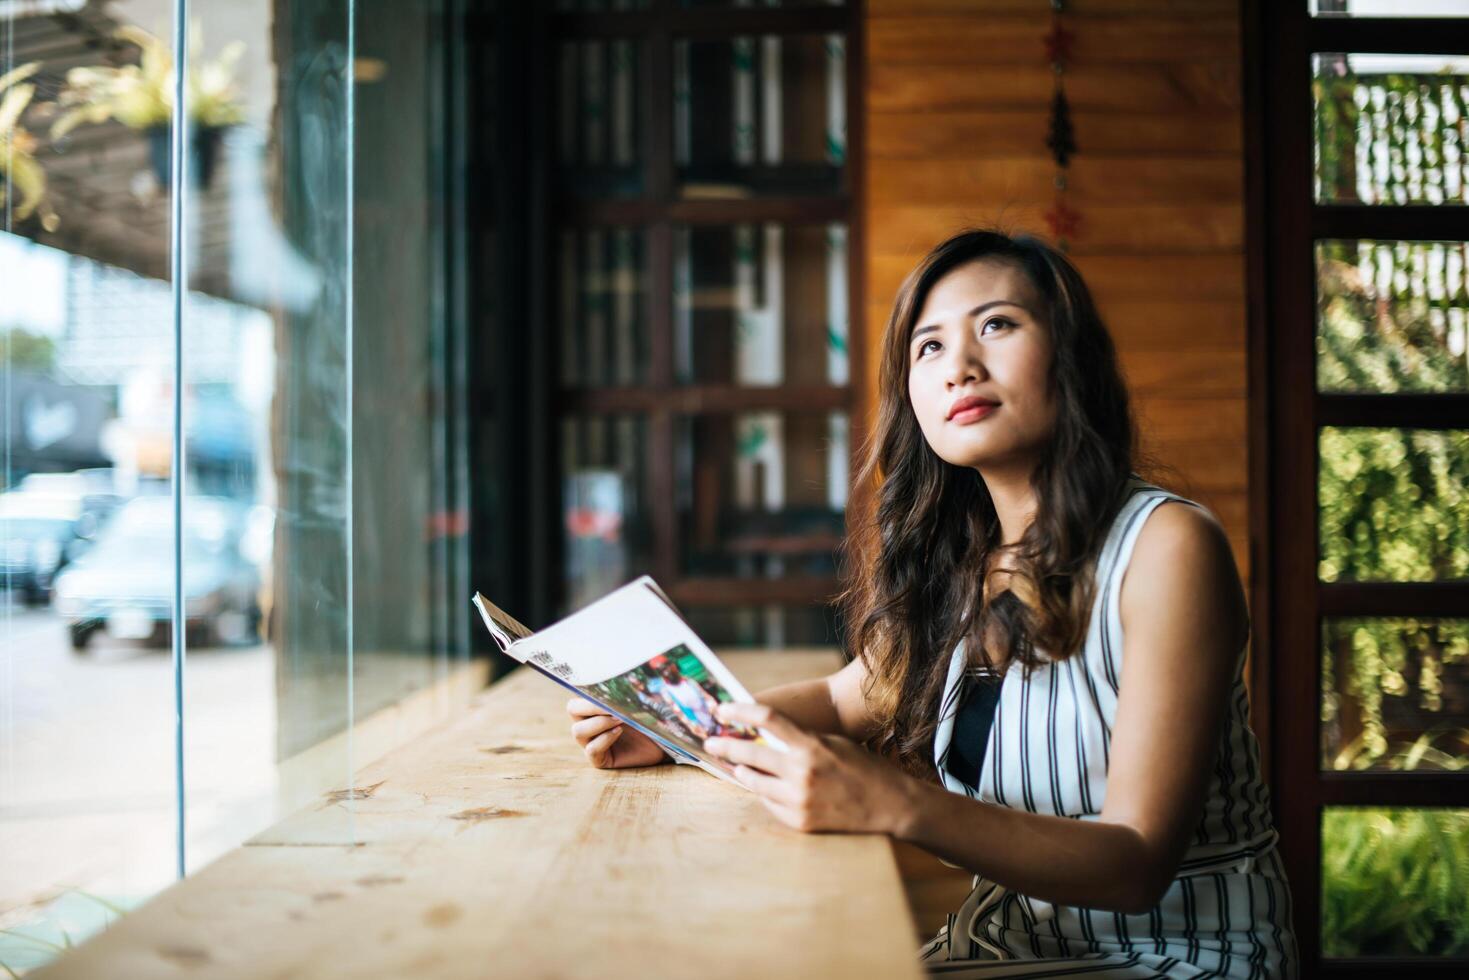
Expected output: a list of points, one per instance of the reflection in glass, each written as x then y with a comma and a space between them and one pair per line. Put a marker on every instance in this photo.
603, 307
1392, 505
1395, 694
605, 507
761, 494
1391, 316
1394, 882
88, 806
599, 140
1388, 128
759, 115
323, 522
760, 304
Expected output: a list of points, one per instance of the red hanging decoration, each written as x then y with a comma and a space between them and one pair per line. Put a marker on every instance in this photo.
1060, 137
1058, 42
1062, 220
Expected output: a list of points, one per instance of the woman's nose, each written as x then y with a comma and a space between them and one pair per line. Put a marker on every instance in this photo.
964, 366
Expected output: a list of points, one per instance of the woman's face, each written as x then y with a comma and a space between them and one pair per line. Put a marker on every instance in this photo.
978, 364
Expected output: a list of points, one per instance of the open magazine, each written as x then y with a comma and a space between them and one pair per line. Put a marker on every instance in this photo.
633, 655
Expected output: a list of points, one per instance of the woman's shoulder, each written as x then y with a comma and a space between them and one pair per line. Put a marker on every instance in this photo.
1180, 528
1183, 553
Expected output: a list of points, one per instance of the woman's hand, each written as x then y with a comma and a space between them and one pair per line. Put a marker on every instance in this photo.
825, 782
608, 743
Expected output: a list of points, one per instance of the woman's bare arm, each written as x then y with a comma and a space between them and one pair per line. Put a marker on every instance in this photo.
1184, 624
831, 705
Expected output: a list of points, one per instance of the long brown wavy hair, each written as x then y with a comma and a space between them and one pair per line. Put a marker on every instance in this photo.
917, 554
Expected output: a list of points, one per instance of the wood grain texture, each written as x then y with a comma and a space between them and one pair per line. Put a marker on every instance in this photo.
1181, 227
957, 98
1077, 10
1157, 87
1091, 181
970, 134
489, 848
1017, 39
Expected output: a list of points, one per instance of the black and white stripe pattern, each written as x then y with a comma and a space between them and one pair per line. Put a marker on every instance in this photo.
1227, 913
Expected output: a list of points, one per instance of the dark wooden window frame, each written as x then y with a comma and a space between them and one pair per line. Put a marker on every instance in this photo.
656, 211
1286, 413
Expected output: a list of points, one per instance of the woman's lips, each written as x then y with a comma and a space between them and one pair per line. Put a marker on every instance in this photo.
971, 409
972, 414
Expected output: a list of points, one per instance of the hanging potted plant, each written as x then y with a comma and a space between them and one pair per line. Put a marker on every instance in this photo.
141, 97
21, 176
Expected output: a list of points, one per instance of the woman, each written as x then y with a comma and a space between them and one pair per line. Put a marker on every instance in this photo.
1041, 631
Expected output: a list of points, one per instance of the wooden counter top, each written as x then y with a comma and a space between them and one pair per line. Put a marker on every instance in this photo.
490, 848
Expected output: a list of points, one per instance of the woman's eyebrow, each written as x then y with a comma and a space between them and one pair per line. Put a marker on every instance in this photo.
974, 312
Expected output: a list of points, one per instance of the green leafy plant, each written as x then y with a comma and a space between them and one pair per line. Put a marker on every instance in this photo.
1394, 882
20, 173
1383, 687
141, 96
24, 350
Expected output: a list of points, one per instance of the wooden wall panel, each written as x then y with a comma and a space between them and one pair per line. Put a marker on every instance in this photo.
957, 95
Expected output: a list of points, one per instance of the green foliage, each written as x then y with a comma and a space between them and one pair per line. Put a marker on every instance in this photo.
1391, 659
26, 351
1392, 504
1394, 882
1401, 118
1391, 318
1388, 317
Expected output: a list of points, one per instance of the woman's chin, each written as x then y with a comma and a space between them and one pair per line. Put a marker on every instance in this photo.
981, 457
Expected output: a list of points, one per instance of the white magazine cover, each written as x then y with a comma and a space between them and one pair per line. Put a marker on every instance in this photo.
631, 653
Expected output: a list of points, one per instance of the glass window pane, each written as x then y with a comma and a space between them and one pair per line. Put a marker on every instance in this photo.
1392, 505
1390, 8
600, 132
768, 626
1394, 882
603, 307
761, 494
410, 518
759, 115
1391, 316
1395, 694
760, 304
605, 507
322, 402
1388, 128
88, 804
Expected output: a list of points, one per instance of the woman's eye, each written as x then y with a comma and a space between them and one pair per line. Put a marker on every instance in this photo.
923, 347
997, 320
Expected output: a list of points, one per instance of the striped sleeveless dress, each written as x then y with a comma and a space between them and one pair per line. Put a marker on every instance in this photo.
1227, 913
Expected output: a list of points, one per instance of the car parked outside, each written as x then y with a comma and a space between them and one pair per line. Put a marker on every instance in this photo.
125, 583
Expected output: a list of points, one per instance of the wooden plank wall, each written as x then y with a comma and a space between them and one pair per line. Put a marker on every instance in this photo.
957, 95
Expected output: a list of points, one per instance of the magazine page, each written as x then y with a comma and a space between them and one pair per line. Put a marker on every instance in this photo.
631, 653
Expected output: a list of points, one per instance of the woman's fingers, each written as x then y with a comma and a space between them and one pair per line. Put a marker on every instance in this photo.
762, 716
786, 815
582, 708
599, 749
743, 751
589, 728
769, 788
